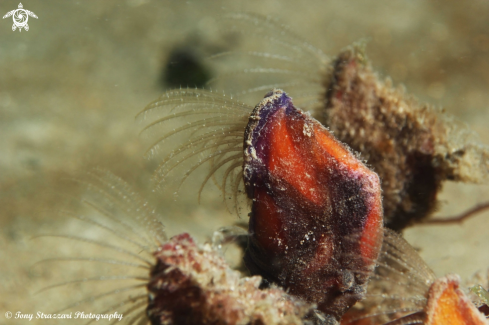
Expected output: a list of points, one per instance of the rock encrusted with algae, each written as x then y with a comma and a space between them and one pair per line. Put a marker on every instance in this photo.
413, 147
192, 284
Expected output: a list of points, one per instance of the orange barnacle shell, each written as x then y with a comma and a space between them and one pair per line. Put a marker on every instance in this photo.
316, 221
448, 305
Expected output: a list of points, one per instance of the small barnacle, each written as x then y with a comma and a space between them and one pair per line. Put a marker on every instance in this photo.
447, 302
404, 290
411, 146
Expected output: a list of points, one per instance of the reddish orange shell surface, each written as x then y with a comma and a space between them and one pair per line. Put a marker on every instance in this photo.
448, 305
316, 221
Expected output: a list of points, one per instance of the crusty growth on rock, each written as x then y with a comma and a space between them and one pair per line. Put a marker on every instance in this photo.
411, 146
192, 284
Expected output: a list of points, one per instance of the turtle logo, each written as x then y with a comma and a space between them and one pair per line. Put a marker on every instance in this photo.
20, 17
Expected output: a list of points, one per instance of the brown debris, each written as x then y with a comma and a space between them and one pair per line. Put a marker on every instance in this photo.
410, 145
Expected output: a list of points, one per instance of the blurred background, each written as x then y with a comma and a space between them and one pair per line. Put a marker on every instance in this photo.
71, 86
